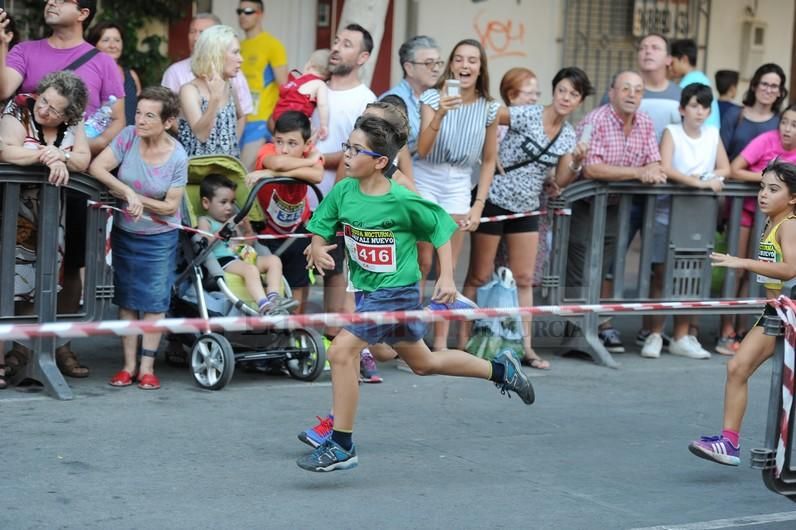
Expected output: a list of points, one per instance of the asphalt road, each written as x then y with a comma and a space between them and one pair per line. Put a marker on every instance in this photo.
601, 448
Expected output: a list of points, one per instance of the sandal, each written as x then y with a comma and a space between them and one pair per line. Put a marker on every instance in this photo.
3, 382
148, 382
536, 362
68, 363
122, 378
15, 361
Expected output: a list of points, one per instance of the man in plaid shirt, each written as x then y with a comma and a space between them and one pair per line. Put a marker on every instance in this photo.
623, 147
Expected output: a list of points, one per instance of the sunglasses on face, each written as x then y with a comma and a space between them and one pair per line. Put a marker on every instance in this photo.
246, 11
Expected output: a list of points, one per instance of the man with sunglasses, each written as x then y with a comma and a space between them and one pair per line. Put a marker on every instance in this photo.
265, 68
422, 66
21, 69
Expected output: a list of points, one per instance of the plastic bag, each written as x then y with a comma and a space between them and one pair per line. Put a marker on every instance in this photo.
494, 335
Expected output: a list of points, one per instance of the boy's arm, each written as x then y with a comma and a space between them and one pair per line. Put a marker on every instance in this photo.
246, 228
287, 162
318, 256
445, 288
307, 169
313, 175
722, 162
204, 225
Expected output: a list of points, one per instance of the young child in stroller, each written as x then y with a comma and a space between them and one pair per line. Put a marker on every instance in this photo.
217, 193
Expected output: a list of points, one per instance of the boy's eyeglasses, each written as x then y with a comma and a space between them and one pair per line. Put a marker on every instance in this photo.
354, 150
246, 11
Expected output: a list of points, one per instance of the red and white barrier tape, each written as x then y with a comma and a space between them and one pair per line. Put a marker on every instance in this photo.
490, 219
787, 312
198, 325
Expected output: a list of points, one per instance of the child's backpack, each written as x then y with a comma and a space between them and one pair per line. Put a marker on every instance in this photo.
494, 335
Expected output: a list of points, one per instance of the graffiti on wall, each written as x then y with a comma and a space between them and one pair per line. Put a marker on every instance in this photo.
500, 38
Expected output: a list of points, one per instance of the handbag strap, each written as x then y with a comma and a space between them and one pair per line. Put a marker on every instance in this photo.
83, 59
537, 156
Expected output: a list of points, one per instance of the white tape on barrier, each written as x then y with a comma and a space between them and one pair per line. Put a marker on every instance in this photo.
198, 325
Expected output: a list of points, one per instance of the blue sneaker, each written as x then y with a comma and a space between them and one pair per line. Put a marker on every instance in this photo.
514, 379
329, 457
315, 436
717, 449
461, 302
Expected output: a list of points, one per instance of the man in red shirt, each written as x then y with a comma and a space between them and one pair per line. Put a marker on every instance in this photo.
623, 147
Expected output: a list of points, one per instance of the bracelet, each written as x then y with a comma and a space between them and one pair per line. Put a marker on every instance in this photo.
574, 169
479, 199
432, 128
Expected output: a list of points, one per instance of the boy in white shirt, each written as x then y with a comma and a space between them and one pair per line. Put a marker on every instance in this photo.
692, 155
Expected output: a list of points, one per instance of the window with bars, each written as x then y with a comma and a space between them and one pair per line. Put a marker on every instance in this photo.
600, 36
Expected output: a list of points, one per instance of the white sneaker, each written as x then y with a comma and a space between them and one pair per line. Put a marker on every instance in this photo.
652, 346
688, 346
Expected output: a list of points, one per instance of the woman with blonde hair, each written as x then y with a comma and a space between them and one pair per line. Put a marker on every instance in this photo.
212, 118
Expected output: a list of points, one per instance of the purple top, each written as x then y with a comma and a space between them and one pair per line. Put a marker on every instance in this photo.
35, 59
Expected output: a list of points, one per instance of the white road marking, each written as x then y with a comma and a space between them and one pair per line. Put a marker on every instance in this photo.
729, 523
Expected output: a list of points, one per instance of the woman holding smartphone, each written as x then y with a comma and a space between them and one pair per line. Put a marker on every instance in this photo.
458, 129
539, 141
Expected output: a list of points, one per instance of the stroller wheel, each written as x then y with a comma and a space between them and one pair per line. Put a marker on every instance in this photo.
212, 361
309, 367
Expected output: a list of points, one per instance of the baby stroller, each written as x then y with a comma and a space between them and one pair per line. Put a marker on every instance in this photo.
203, 289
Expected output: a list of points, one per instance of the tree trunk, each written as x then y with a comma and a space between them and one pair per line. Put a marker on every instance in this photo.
370, 15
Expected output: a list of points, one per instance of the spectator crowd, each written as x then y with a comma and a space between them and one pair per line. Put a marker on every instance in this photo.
72, 107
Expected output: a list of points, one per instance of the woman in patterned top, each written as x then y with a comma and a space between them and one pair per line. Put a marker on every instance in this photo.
43, 129
212, 118
539, 138
458, 129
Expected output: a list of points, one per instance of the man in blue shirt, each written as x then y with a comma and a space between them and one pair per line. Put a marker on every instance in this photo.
422, 66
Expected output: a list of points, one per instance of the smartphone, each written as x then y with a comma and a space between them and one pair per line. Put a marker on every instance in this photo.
452, 87
585, 136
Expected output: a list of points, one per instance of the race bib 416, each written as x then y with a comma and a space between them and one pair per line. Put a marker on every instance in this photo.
373, 250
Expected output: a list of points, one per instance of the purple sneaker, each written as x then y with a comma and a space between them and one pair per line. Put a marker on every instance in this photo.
716, 448
368, 370
461, 302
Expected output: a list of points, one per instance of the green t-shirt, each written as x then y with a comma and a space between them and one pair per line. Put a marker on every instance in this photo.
381, 232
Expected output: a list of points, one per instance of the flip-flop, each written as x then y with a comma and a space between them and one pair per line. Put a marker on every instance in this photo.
536, 363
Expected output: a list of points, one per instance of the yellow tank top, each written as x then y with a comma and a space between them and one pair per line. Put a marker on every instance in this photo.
770, 251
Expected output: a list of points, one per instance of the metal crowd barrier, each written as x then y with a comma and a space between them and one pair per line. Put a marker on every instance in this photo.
98, 283
692, 227
764, 458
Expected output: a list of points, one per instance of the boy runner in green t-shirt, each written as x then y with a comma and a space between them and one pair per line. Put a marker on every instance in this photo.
382, 223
